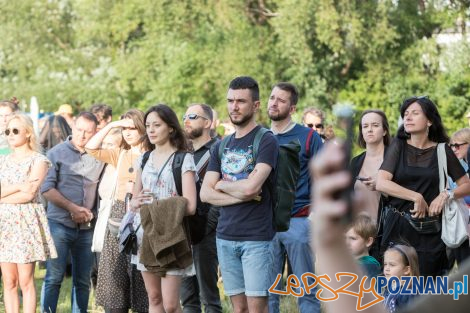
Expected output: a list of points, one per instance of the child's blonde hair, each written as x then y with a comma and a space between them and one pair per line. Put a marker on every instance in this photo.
408, 255
364, 226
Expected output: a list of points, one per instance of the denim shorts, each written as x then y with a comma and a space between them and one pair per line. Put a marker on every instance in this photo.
245, 266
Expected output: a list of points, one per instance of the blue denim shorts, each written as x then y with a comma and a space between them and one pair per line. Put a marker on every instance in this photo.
245, 266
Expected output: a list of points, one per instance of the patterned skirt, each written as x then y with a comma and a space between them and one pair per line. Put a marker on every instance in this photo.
120, 284
24, 234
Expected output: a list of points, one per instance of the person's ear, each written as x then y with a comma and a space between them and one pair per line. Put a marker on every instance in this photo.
369, 242
407, 271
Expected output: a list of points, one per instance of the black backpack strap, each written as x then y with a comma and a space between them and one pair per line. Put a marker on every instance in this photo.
256, 142
223, 144
145, 158
177, 171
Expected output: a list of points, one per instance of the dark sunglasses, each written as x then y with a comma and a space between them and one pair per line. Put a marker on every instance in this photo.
457, 145
193, 117
414, 98
129, 128
316, 125
14, 131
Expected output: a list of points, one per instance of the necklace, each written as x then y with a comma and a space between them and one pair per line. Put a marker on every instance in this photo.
131, 168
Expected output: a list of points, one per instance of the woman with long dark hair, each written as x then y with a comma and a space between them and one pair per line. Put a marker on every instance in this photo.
374, 136
54, 131
410, 176
167, 139
120, 286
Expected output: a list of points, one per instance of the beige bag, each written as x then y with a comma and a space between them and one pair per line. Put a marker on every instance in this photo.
103, 213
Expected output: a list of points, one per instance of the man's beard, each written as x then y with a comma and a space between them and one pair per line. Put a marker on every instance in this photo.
195, 133
245, 119
279, 116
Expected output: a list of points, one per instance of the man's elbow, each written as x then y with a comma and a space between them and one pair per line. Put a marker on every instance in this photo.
205, 194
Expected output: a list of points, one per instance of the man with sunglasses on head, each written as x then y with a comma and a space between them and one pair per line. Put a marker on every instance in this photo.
295, 241
202, 288
315, 119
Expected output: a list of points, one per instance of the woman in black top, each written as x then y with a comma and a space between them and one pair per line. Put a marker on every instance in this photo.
374, 136
410, 176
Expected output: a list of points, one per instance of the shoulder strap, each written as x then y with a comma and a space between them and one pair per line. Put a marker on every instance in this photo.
203, 161
145, 158
442, 161
223, 144
177, 171
307, 144
256, 142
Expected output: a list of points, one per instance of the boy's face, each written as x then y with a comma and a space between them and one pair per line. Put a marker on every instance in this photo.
356, 244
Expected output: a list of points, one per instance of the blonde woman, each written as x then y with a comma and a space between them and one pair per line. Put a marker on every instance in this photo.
24, 232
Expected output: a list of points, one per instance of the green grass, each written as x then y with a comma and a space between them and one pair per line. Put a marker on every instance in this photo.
288, 304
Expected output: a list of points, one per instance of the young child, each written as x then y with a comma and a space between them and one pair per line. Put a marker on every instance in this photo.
359, 239
399, 260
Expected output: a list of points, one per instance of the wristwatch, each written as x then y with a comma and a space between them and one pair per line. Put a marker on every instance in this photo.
450, 194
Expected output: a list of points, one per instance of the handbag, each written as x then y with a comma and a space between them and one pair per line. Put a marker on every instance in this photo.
128, 239
104, 211
455, 212
425, 226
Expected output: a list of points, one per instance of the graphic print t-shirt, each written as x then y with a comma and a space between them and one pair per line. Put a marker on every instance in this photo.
251, 220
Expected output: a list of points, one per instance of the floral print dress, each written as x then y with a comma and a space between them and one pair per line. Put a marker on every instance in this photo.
24, 231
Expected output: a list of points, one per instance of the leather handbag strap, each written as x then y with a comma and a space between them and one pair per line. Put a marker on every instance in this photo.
442, 161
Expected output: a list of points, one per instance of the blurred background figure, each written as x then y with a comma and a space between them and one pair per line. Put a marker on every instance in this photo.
315, 119
103, 113
55, 130
7, 109
66, 111
459, 143
24, 231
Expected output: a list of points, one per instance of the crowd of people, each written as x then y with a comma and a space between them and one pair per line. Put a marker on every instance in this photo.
197, 204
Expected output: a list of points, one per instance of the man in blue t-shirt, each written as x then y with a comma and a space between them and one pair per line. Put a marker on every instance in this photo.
238, 184
295, 242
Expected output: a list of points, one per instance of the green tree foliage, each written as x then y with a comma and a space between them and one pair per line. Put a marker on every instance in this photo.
140, 52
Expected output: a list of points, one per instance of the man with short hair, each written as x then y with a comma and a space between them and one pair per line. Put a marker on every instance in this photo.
295, 241
315, 119
238, 183
103, 113
202, 288
71, 190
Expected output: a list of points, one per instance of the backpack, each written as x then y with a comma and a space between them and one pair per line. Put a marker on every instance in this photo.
195, 224
286, 176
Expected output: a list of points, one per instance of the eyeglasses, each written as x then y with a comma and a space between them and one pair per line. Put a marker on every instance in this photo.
415, 98
316, 125
193, 117
129, 128
457, 145
14, 131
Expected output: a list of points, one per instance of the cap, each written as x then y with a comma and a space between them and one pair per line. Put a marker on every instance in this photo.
64, 108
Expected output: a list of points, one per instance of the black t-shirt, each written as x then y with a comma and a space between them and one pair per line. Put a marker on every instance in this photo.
251, 220
417, 169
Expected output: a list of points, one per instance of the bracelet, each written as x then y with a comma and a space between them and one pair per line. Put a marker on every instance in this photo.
450, 194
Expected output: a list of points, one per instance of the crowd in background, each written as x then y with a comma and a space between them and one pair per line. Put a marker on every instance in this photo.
198, 201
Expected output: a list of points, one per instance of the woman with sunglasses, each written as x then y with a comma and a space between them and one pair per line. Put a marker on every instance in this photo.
24, 232
167, 138
120, 286
410, 176
459, 143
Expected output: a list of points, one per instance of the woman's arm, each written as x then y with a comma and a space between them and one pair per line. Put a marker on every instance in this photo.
28, 190
389, 187
189, 191
97, 139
